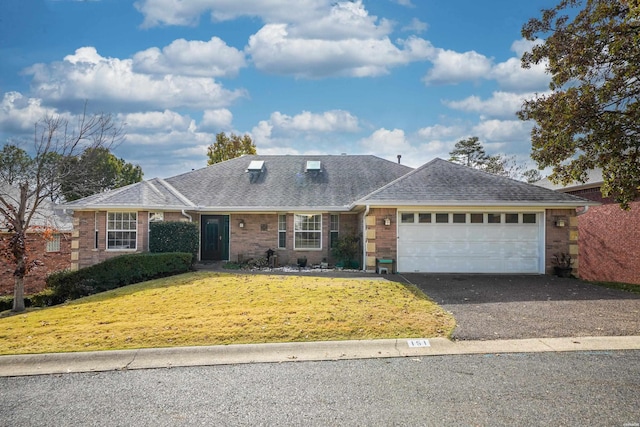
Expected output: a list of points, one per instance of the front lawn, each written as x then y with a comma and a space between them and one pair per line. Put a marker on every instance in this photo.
211, 308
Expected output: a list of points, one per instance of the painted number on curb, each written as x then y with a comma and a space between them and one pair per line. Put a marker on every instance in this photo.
419, 343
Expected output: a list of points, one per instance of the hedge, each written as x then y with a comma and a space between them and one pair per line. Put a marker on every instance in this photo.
174, 237
117, 272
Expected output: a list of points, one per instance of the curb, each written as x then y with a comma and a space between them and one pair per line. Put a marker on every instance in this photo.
153, 358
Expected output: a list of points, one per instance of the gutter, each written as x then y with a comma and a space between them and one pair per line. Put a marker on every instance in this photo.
584, 211
185, 214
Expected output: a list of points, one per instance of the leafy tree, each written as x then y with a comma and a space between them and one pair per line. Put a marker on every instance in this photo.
532, 175
31, 178
229, 147
591, 117
503, 166
469, 152
97, 170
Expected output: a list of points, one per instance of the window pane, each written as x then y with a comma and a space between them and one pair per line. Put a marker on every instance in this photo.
477, 218
459, 218
335, 222
407, 218
493, 218
442, 218
307, 240
528, 218
424, 218
511, 218
282, 239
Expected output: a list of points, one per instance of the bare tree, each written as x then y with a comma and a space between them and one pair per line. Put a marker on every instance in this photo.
33, 177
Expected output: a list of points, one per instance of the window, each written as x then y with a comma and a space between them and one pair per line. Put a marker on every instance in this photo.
529, 218
335, 227
53, 245
477, 218
407, 218
156, 216
511, 218
459, 218
96, 234
122, 230
307, 230
494, 218
424, 218
282, 231
442, 218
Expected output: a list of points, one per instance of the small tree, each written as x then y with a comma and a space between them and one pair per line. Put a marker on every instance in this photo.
30, 178
97, 170
229, 147
469, 152
346, 248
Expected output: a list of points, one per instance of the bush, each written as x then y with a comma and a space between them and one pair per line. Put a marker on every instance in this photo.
44, 298
174, 237
117, 272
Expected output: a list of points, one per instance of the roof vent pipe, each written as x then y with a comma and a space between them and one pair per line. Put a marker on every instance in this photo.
399, 157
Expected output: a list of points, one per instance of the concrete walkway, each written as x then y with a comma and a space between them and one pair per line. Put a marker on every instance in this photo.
59, 363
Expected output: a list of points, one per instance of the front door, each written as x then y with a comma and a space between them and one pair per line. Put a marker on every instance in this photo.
215, 238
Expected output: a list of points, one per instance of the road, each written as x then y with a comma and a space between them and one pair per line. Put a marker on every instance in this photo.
569, 389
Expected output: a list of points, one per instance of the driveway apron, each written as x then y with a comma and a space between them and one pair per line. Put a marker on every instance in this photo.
488, 307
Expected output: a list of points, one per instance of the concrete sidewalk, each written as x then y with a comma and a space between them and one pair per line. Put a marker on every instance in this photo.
59, 363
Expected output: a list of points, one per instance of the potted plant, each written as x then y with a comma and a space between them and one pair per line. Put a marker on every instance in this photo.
562, 264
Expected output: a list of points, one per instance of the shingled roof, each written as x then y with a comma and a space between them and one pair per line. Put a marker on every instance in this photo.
282, 182
445, 183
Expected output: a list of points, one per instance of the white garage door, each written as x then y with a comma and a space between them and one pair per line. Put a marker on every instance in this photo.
459, 242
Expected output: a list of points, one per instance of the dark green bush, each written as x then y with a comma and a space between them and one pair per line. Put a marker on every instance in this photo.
174, 237
116, 272
43, 298
6, 303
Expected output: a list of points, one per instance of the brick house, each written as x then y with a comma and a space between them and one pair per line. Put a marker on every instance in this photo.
609, 236
51, 255
441, 217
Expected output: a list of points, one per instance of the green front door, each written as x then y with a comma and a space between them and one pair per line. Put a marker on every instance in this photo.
215, 238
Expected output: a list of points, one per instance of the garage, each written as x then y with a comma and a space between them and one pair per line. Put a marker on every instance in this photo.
471, 242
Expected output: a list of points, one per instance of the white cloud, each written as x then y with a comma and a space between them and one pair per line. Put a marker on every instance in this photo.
329, 121
273, 50
87, 75
511, 76
386, 142
451, 67
216, 119
502, 131
19, 113
179, 12
416, 26
439, 132
406, 3
501, 104
212, 58
156, 121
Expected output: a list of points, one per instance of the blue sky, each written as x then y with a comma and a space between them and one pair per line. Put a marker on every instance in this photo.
384, 77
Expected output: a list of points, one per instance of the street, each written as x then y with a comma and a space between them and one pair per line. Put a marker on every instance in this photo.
573, 388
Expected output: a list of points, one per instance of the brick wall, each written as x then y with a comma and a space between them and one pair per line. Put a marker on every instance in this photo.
260, 233
51, 262
561, 239
381, 239
84, 251
609, 243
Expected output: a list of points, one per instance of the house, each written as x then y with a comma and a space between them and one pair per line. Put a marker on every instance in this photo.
441, 217
50, 255
609, 235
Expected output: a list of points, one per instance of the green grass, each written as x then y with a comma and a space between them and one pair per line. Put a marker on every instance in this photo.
218, 308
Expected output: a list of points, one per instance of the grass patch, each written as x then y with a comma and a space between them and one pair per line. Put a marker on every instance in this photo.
629, 287
204, 308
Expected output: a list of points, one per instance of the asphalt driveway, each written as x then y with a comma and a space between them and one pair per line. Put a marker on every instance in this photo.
510, 307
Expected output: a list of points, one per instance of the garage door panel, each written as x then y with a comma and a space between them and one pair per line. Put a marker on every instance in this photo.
479, 248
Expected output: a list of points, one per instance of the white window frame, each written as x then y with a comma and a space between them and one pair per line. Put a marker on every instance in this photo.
302, 225
122, 225
53, 245
282, 229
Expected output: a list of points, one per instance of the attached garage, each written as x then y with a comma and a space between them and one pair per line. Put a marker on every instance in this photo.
471, 242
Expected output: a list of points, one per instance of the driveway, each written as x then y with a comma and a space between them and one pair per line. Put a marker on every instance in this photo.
510, 307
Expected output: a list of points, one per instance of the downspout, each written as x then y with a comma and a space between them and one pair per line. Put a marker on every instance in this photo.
586, 208
364, 238
185, 214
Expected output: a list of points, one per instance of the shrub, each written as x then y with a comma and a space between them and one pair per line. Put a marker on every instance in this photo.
174, 237
116, 272
346, 250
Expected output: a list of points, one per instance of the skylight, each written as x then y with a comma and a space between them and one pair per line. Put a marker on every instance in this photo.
313, 166
256, 166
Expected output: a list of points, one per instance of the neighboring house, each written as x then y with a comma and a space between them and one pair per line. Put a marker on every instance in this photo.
441, 217
49, 255
609, 236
